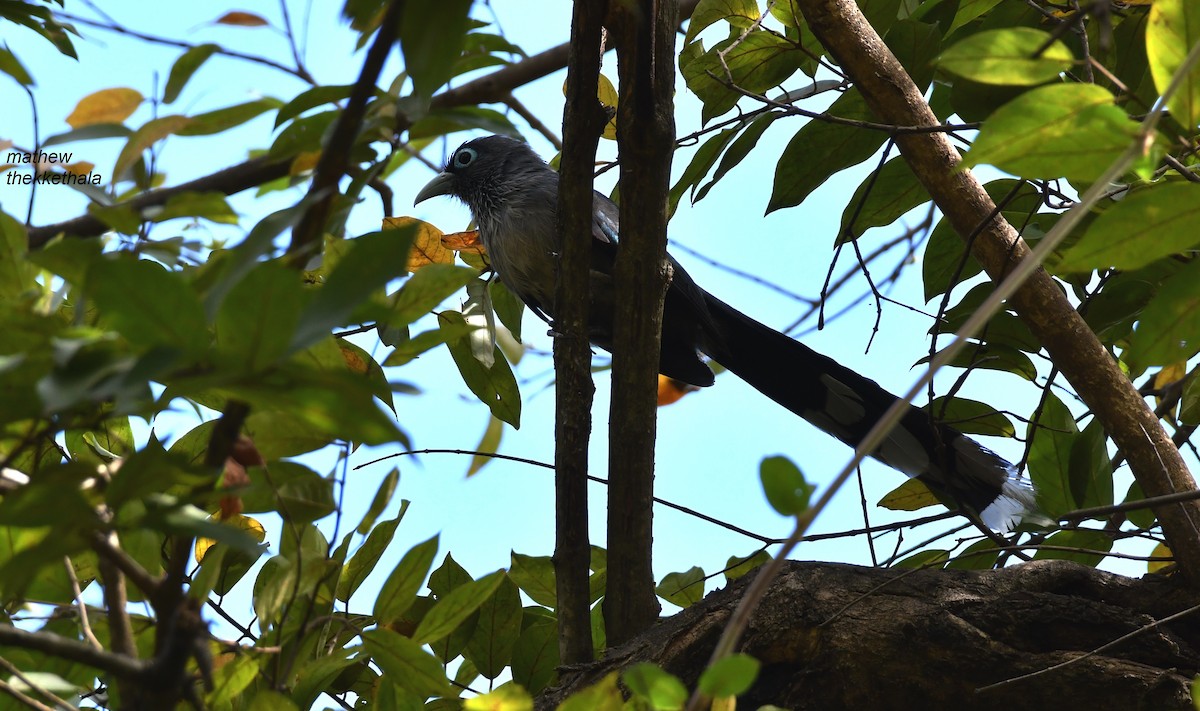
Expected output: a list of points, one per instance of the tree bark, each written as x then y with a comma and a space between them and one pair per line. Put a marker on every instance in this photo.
583, 120
645, 32
834, 636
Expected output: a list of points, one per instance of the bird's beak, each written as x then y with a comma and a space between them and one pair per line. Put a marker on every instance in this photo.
442, 184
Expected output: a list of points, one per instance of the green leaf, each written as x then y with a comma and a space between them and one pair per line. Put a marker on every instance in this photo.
731, 676
1089, 470
663, 691
736, 567
406, 664
431, 38
312, 98
1071, 130
455, 607
535, 576
969, 11
784, 485
992, 356
604, 695
927, 559
426, 288
1078, 538
912, 495
1053, 436
495, 386
10, 65
150, 133
507, 697
535, 657
148, 304
373, 260
683, 589
702, 162
364, 559
820, 149
971, 417
738, 150
302, 134
184, 68
219, 120
1169, 328
231, 679
738, 13
1008, 56
1146, 226
755, 62
980, 555
399, 591
508, 307
383, 496
268, 700
16, 275
916, 45
211, 206
497, 630
489, 443
1173, 30
881, 199
255, 323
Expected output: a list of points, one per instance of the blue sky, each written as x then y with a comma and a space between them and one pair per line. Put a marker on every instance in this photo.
710, 444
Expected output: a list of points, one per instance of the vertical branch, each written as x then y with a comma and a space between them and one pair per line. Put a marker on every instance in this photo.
583, 120
645, 36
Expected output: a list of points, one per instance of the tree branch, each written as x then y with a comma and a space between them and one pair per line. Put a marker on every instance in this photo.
493, 88
73, 651
646, 139
583, 120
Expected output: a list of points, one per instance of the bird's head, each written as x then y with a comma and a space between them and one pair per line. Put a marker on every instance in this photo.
484, 172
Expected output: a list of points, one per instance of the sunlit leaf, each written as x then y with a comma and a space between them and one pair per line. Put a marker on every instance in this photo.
1071, 130
1014, 55
105, 106
1173, 30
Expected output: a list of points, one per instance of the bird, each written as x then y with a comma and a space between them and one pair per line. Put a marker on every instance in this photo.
512, 195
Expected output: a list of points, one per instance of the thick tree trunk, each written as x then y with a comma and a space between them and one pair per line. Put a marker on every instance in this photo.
833, 636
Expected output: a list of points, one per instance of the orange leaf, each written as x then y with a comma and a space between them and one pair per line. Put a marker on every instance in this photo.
242, 19
464, 242
246, 454
80, 168
105, 106
427, 244
671, 390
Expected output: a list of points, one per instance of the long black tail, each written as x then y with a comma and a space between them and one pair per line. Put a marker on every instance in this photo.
844, 404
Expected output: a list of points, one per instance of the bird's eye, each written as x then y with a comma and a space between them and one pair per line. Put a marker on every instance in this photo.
464, 157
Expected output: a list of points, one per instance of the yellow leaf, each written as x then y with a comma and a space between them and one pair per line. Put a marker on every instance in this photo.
242, 19
304, 162
245, 523
1169, 375
607, 93
909, 496
105, 106
80, 168
510, 697
724, 703
427, 245
1160, 551
145, 137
